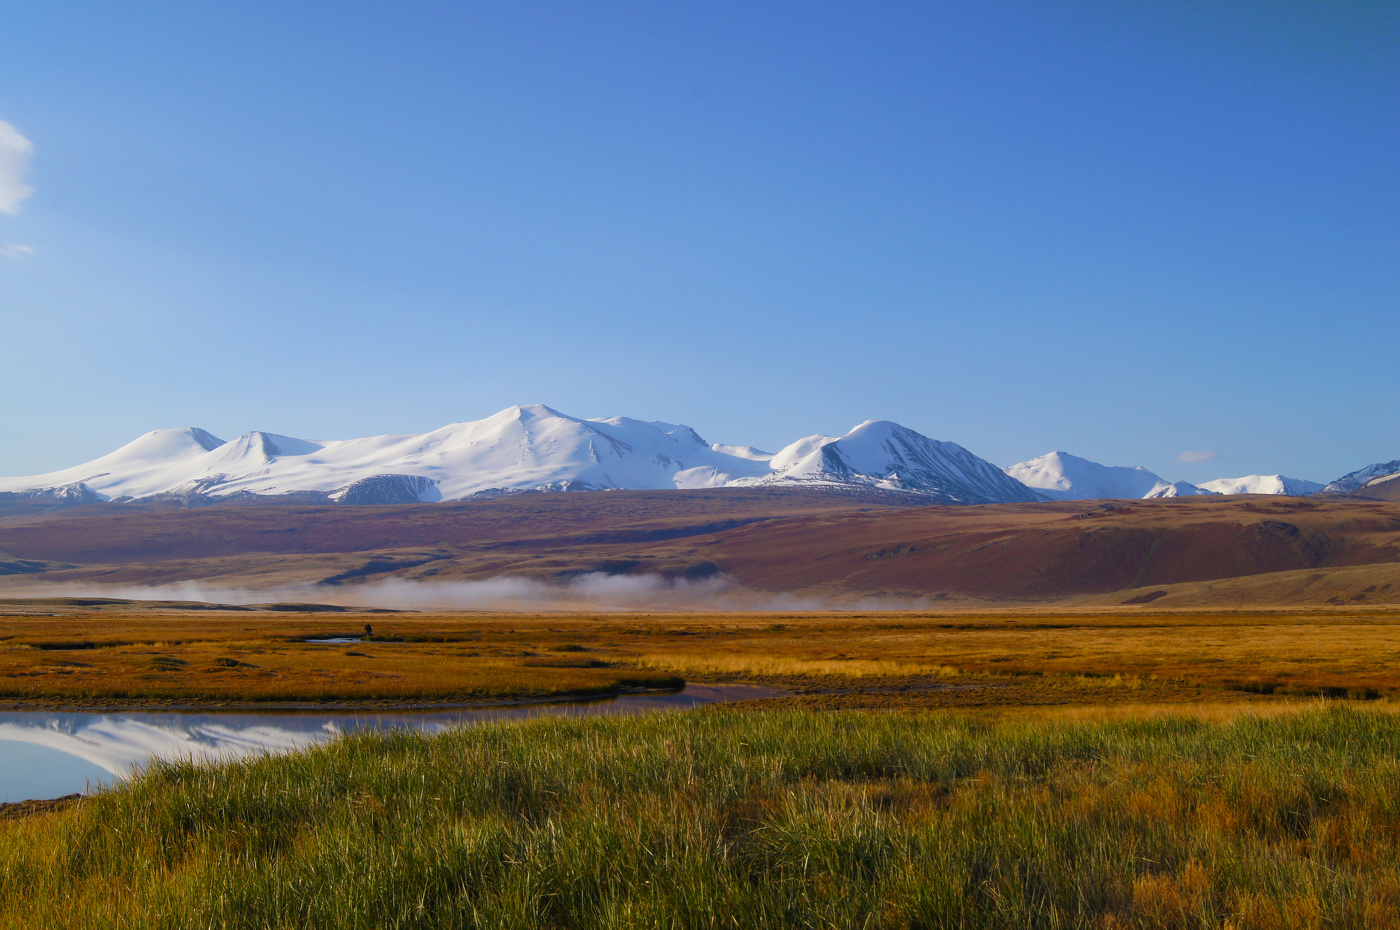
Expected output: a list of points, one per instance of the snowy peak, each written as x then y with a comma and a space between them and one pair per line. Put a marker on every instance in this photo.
1061, 476
146, 465
1361, 477
1177, 489
790, 455
165, 444
521, 448
262, 448
1064, 477
1263, 484
882, 455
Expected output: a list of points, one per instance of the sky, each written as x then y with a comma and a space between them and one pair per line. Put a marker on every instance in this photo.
1153, 234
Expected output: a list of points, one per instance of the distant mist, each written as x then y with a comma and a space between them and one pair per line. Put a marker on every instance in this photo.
594, 591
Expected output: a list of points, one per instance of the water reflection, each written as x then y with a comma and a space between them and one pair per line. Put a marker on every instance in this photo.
46, 754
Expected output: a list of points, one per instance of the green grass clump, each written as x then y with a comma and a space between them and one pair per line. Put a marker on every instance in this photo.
725, 818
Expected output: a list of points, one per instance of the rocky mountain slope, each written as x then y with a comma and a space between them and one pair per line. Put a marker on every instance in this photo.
1355, 480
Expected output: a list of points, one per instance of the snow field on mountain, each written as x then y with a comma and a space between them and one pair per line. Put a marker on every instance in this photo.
1064, 477
537, 448
528, 448
1263, 484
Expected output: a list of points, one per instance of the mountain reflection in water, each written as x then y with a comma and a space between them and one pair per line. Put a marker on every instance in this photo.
59, 752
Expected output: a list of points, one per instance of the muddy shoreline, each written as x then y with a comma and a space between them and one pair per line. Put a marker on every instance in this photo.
118, 705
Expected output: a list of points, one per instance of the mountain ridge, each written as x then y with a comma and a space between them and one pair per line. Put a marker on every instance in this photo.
1263, 484
538, 448
1064, 477
521, 448
1356, 480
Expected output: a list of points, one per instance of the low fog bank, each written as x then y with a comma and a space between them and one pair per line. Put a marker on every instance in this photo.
594, 591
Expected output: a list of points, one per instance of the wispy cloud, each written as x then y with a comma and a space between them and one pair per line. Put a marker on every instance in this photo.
16, 252
15, 150
1197, 456
596, 591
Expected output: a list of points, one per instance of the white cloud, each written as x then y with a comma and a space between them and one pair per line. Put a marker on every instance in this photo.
16, 252
1197, 456
595, 591
15, 150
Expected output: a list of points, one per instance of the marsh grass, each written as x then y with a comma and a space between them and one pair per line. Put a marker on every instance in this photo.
115, 657
722, 818
201, 659
769, 665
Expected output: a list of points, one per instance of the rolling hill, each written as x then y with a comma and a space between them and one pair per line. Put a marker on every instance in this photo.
1192, 551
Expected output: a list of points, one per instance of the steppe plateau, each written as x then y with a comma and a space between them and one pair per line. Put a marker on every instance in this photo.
1152, 713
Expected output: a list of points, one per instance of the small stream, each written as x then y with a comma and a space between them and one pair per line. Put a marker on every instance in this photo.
48, 754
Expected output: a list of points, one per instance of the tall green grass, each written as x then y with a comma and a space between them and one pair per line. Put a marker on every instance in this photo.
724, 818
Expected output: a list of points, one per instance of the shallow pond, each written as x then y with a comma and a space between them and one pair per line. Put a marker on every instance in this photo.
48, 754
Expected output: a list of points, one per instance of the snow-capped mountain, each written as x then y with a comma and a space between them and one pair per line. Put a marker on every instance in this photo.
884, 455
1064, 477
1362, 476
518, 449
1263, 484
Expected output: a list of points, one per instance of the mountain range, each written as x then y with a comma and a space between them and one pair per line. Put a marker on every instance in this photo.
530, 448
1064, 477
536, 448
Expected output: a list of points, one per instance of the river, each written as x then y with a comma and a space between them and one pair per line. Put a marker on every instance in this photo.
48, 754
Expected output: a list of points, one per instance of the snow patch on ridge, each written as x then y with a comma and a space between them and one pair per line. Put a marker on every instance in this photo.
1362, 476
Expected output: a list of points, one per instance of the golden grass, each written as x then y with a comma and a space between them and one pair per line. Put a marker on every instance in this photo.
1009, 657
205, 659
720, 818
763, 665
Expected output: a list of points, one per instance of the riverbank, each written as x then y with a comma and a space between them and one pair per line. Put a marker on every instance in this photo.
109, 704
722, 817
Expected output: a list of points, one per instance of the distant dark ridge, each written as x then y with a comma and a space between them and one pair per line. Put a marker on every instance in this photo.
399, 490
1383, 489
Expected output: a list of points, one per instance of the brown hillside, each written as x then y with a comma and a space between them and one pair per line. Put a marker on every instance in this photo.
1186, 551
113, 534
1037, 551
1386, 490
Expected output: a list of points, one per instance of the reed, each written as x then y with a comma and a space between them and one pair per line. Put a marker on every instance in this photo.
723, 818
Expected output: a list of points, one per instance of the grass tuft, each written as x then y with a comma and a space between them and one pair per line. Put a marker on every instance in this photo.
723, 818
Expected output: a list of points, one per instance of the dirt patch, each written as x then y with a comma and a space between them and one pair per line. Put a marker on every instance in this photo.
19, 810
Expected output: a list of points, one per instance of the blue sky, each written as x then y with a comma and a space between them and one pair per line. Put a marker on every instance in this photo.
1124, 233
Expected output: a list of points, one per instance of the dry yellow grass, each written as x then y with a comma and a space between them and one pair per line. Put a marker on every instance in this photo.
762, 665
136, 659
727, 818
1083, 657
1285, 652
